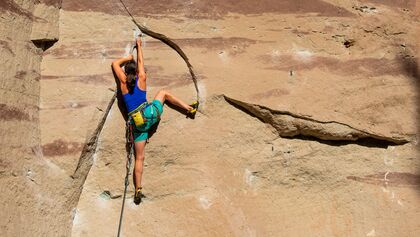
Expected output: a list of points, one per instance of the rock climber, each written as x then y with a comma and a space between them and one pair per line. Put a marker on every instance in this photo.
142, 113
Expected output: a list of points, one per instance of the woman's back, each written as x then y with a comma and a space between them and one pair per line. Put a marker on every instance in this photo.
136, 98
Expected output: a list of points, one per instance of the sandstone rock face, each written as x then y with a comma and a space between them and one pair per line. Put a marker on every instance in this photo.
31, 185
308, 124
45, 28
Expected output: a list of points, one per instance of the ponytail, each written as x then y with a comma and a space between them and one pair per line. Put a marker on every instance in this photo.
130, 69
131, 82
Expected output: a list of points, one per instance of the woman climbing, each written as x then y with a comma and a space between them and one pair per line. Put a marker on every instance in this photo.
143, 114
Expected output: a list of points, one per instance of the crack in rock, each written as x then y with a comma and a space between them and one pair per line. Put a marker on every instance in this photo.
86, 159
163, 38
289, 124
89, 149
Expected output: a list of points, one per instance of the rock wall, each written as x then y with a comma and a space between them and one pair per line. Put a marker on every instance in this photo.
45, 28
308, 122
349, 166
33, 189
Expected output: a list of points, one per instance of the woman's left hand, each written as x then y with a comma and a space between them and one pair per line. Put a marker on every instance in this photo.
138, 41
130, 57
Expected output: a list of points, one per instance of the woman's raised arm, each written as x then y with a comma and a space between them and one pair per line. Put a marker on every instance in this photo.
140, 63
116, 65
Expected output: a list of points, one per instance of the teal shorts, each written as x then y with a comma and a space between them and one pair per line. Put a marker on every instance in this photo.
142, 133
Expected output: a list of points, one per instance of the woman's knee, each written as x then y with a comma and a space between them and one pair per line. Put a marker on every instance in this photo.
163, 92
160, 95
140, 157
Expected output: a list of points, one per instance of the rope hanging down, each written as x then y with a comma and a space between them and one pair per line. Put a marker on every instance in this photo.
130, 143
168, 42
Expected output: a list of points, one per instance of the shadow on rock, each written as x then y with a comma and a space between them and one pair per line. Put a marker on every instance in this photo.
411, 67
366, 142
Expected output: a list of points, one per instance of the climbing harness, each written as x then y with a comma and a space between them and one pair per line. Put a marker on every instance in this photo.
130, 146
138, 114
168, 42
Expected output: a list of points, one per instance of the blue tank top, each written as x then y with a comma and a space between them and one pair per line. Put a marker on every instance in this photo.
134, 100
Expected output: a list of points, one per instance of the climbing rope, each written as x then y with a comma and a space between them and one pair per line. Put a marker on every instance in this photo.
130, 147
168, 42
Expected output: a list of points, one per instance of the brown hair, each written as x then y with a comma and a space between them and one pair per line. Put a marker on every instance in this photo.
130, 69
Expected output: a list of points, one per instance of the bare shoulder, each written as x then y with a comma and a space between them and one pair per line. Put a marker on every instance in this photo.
141, 82
124, 88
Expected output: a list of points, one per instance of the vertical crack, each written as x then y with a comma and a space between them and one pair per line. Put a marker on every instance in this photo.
85, 160
168, 42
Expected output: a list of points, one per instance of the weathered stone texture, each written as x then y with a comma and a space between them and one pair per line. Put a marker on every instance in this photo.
308, 122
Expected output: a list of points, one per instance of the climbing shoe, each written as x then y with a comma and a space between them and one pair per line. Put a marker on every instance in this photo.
191, 113
137, 196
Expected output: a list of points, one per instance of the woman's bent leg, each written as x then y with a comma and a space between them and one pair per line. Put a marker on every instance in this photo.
138, 165
164, 95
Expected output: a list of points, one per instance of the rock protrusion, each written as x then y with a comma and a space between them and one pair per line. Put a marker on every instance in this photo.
45, 27
289, 124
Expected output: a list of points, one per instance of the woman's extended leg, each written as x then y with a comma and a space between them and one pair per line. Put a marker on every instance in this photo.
138, 165
163, 95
